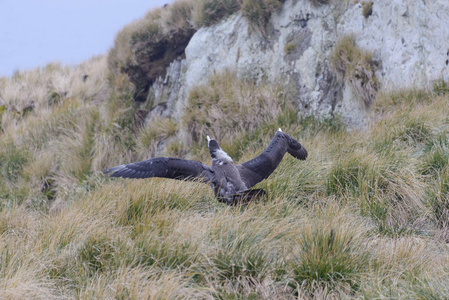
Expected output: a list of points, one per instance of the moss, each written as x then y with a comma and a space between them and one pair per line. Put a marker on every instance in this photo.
289, 48
441, 87
144, 49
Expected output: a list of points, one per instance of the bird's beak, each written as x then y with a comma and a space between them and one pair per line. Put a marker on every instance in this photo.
208, 139
280, 129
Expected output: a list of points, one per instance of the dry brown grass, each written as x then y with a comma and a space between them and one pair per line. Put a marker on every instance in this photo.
259, 12
227, 106
365, 216
155, 136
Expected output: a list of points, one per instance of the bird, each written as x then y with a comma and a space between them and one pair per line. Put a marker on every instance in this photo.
231, 183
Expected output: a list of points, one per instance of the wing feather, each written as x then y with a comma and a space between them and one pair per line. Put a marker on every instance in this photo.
260, 167
165, 167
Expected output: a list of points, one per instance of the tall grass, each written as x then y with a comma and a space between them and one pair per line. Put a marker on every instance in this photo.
227, 105
343, 224
365, 216
330, 253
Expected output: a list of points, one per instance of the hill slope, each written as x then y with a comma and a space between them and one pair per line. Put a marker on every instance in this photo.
366, 215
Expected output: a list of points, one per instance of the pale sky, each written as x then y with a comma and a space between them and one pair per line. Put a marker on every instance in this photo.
36, 32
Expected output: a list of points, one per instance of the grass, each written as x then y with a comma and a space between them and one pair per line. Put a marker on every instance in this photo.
367, 9
259, 12
208, 12
161, 238
154, 135
357, 68
329, 253
365, 216
227, 106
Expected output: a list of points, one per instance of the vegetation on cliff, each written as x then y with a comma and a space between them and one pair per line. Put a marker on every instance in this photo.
357, 68
143, 49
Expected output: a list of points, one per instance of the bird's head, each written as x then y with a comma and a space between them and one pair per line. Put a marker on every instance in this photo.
216, 152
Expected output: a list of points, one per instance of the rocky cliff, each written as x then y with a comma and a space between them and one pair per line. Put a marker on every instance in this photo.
408, 40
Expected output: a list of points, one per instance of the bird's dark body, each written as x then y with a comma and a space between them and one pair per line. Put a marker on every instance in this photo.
230, 183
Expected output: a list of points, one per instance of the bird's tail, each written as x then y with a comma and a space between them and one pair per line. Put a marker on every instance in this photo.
246, 196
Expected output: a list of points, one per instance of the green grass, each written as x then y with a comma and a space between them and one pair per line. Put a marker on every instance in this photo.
329, 255
12, 160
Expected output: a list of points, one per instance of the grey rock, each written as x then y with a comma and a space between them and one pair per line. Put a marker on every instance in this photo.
408, 39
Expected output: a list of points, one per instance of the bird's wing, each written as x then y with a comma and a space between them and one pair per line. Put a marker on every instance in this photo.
260, 167
165, 167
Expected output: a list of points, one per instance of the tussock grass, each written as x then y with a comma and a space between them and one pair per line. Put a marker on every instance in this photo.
259, 12
438, 198
330, 253
367, 9
388, 101
357, 68
227, 105
151, 138
436, 160
208, 12
365, 216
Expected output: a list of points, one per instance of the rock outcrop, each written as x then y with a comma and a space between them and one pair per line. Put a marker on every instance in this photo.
408, 40
152, 59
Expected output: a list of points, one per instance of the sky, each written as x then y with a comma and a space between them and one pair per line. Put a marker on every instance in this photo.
34, 33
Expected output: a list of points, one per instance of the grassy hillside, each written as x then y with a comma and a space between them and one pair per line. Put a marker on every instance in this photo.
365, 216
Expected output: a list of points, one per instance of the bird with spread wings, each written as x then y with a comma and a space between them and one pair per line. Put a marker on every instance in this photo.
231, 183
